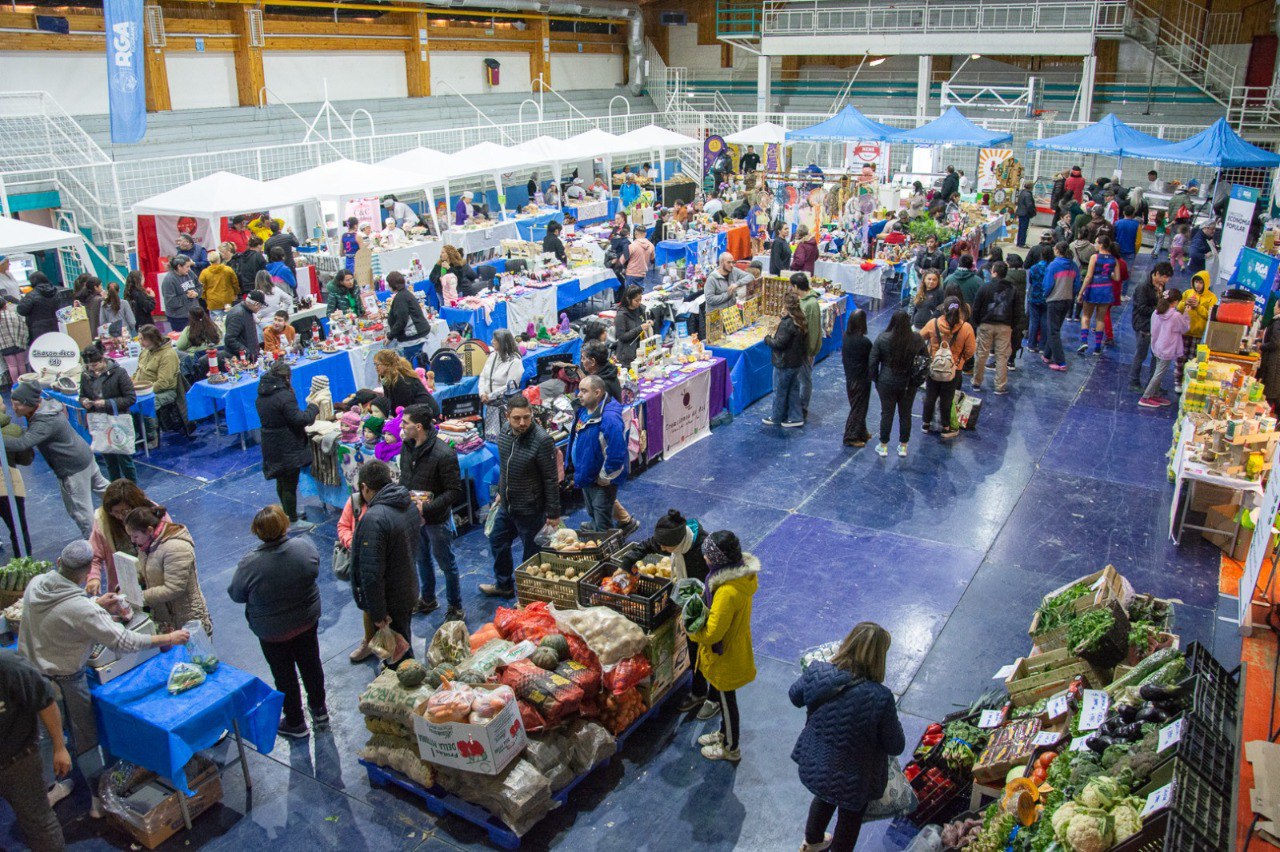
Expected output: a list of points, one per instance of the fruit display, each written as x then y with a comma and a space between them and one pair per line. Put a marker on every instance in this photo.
661, 568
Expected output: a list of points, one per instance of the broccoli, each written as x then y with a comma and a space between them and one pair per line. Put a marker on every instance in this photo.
1114, 754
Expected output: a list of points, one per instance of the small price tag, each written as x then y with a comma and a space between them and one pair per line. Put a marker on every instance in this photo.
990, 719
1004, 673
1080, 744
1056, 707
1170, 734
1093, 711
1158, 799
1046, 738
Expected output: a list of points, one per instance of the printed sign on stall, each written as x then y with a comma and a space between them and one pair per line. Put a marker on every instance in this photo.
989, 160
1235, 227
685, 413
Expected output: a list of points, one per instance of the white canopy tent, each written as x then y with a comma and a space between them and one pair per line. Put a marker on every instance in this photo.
654, 138
423, 161
487, 158
766, 133
18, 237
341, 181
219, 194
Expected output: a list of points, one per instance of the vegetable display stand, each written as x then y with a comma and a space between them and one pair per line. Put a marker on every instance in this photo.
1200, 816
1048, 626
647, 607
1034, 678
439, 801
563, 592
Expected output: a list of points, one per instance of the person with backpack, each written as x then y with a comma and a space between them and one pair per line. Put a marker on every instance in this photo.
1145, 297
1061, 282
995, 313
895, 372
951, 342
1037, 317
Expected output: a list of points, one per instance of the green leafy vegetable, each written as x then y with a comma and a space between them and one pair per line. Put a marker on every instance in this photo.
1086, 631
1060, 609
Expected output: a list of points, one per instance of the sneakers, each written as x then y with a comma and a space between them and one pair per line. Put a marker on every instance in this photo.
1163, 401
902, 451
320, 717
426, 607
1148, 402
493, 590
361, 653
455, 613
1012, 368
59, 791
1061, 368
708, 710
713, 738
951, 433
1083, 348
882, 450
768, 421
793, 424
1002, 391
821, 846
293, 732
691, 702
719, 752
301, 526
630, 527
928, 427
855, 444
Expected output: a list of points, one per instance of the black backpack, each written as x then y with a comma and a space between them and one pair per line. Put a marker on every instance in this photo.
1000, 308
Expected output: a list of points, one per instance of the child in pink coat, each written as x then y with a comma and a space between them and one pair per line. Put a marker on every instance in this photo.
1167, 327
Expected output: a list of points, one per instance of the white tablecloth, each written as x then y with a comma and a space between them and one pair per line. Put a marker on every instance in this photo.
1186, 470
362, 356
589, 276
852, 278
590, 210
401, 259
484, 239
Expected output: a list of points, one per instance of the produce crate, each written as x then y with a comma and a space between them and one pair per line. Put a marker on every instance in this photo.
1043, 675
1111, 586
1114, 645
632, 550
8, 599
1214, 693
1198, 820
646, 608
604, 544
562, 593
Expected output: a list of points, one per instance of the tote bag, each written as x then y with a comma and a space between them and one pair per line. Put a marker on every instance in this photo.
899, 798
111, 433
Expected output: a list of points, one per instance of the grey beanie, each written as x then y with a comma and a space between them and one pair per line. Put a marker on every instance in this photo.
76, 556
27, 393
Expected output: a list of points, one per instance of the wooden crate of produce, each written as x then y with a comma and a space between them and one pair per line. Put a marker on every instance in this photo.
1011, 745
1032, 679
1107, 585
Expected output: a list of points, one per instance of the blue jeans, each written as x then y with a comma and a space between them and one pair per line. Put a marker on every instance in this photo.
599, 500
786, 395
437, 542
508, 526
1057, 313
805, 380
1037, 326
637, 280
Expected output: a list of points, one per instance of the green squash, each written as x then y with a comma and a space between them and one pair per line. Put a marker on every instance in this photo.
545, 658
557, 643
441, 673
411, 674
472, 678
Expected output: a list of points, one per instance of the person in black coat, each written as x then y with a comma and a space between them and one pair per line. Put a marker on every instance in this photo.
552, 244
1145, 297
286, 448
594, 359
407, 325
105, 388
383, 546
790, 346
631, 324
276, 581
429, 469
851, 731
248, 263
931, 257
1024, 208
890, 367
855, 352
779, 251
40, 306
241, 333
138, 297
282, 240
950, 184
451, 260
400, 384
528, 497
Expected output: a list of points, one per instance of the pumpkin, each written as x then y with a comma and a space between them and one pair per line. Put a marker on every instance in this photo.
557, 643
545, 658
441, 673
472, 678
411, 674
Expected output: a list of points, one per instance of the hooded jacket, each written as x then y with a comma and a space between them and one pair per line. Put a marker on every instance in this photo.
806, 255
276, 581
170, 588
345, 299
851, 731
812, 307
1074, 185
285, 445
788, 345
405, 320
1167, 330
50, 432
60, 626
608, 374
1199, 315
687, 559
529, 481
114, 387
173, 293
382, 555
967, 280
432, 466
728, 627
221, 286
40, 307
598, 445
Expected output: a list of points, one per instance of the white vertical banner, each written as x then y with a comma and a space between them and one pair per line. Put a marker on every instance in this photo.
686, 414
1236, 228
1261, 544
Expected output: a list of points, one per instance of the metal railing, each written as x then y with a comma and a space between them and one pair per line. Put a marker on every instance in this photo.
1177, 33
738, 19
1254, 107
860, 17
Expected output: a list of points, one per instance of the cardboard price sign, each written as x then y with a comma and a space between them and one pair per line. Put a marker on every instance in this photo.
1046, 738
1158, 800
1170, 734
1057, 706
1093, 711
990, 719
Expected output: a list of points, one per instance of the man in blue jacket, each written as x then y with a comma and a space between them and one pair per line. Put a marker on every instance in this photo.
598, 448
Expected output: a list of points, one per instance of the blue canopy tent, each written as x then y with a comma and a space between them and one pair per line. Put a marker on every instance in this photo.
951, 128
1217, 145
848, 125
1109, 137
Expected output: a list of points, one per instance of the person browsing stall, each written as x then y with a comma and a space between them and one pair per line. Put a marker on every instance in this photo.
429, 469
598, 447
241, 336
383, 582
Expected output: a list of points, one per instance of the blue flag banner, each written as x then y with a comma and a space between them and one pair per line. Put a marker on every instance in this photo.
126, 87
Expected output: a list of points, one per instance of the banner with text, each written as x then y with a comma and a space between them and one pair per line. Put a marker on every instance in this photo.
1236, 227
685, 414
126, 86
1259, 548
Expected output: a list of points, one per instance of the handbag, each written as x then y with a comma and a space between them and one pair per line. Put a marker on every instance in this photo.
341, 561
111, 433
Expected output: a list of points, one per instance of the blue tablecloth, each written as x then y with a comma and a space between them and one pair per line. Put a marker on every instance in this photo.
670, 251
874, 229
569, 292
535, 227
751, 369
146, 406
139, 721
239, 401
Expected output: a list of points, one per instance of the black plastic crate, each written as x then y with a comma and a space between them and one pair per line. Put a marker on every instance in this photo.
1209, 756
1200, 815
1214, 693
647, 607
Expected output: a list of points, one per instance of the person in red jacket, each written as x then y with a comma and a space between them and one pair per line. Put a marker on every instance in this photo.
1074, 184
806, 253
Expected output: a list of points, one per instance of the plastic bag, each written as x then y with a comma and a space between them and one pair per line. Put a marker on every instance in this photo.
450, 704
385, 698
533, 622
693, 609
487, 703
487, 633
450, 644
928, 840
200, 647
589, 744
530, 716
387, 644
627, 674
620, 583
819, 654
184, 676
611, 635
548, 534
585, 678
553, 695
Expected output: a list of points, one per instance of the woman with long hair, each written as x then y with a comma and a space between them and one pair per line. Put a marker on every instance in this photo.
160, 367
850, 732
88, 292
928, 298
277, 296
790, 345
167, 569
950, 330
116, 310
502, 372
109, 536
631, 324
201, 332
138, 297
892, 360
855, 352
400, 384
1096, 294
452, 261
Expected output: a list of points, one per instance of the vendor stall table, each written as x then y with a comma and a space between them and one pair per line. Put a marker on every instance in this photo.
141, 722
401, 259
590, 281
144, 407
534, 227
703, 248
852, 278
751, 369
487, 239
1188, 473
652, 394
593, 211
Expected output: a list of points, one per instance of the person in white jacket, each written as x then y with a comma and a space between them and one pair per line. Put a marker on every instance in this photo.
503, 371
60, 626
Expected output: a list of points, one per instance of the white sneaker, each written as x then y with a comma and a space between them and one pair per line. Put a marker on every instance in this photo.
711, 739
59, 791
717, 751
882, 450
709, 710
817, 847
902, 450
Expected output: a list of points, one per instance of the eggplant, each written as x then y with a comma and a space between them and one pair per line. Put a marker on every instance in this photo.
1129, 733
1127, 712
1157, 692
1152, 713
1099, 743
1169, 708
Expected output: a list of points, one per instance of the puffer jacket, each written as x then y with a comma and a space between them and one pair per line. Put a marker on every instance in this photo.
405, 320
170, 588
851, 732
529, 482
285, 445
432, 466
627, 328
241, 333
598, 446
725, 655
789, 345
927, 308
113, 387
345, 299
276, 581
383, 577
40, 307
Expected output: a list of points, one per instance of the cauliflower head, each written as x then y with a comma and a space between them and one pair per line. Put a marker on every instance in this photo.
1102, 792
1090, 830
1062, 818
1127, 819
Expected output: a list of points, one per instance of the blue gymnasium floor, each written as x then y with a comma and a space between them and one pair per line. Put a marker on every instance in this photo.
950, 548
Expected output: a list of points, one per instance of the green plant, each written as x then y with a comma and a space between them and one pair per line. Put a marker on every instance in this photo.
1059, 609
924, 227
1086, 631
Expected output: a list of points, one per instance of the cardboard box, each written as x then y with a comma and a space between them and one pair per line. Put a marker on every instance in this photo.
1224, 336
153, 812
1206, 495
1223, 521
486, 749
668, 655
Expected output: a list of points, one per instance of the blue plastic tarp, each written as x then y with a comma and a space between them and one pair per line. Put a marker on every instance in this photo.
1217, 145
139, 721
848, 125
951, 128
1109, 137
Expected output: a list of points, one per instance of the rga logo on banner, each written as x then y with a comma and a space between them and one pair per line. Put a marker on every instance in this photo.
124, 41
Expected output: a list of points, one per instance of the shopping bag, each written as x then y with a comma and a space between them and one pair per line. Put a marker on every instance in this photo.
388, 645
111, 433
968, 410
898, 799
341, 561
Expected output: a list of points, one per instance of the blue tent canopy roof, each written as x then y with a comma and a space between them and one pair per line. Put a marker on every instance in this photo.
848, 125
952, 128
1109, 137
1217, 145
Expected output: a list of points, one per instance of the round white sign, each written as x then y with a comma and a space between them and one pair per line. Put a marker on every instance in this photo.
55, 352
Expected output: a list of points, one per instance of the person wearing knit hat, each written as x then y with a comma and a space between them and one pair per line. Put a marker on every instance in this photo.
68, 455
372, 428
60, 626
241, 334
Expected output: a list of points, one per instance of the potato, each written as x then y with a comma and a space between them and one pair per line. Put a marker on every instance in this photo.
570, 573
545, 566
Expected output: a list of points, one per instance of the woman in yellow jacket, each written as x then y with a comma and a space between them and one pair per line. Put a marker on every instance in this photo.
725, 657
1197, 303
